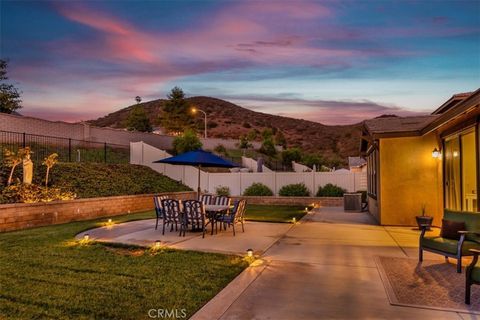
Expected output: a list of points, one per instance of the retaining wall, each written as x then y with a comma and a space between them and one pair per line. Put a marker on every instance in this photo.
27, 215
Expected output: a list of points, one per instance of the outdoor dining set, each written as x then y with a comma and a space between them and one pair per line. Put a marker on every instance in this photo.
198, 214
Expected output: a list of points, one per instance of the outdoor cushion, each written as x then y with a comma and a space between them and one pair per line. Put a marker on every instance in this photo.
471, 219
450, 229
448, 245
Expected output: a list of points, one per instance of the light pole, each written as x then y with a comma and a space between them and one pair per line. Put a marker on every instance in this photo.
194, 110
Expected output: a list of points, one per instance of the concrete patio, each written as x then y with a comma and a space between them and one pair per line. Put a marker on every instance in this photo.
323, 267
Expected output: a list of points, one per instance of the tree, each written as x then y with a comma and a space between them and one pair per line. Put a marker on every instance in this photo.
12, 159
49, 162
244, 143
311, 159
252, 135
9, 95
291, 154
186, 142
280, 139
177, 116
138, 120
268, 147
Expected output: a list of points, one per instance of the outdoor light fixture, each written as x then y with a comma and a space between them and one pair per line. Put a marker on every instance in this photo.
157, 244
86, 237
250, 253
455, 154
294, 220
306, 209
435, 153
109, 221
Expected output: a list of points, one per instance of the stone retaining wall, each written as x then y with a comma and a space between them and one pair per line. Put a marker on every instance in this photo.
27, 215
300, 201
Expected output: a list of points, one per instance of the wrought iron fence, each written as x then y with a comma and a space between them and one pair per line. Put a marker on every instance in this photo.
68, 150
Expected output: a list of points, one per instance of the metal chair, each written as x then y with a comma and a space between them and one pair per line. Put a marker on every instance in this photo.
194, 215
221, 201
472, 275
172, 213
157, 201
236, 216
206, 198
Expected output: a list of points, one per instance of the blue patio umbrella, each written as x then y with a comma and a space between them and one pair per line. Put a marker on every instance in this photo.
199, 158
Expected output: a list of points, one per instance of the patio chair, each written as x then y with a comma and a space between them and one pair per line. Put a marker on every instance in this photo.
221, 201
157, 201
172, 214
236, 216
206, 198
472, 274
194, 215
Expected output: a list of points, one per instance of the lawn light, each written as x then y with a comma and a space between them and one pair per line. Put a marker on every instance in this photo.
109, 221
436, 153
250, 253
294, 220
306, 209
157, 244
86, 237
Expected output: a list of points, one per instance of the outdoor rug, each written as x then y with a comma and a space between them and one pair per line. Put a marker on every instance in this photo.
432, 285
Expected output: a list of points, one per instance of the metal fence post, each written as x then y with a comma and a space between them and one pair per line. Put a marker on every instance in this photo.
24, 140
69, 149
105, 151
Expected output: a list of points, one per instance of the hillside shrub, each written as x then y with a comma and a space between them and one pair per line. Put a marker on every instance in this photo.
294, 190
291, 154
330, 190
220, 149
32, 193
258, 189
222, 191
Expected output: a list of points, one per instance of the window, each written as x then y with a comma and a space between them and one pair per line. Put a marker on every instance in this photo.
461, 171
372, 165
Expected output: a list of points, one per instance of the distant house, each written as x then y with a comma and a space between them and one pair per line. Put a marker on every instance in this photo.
357, 164
431, 161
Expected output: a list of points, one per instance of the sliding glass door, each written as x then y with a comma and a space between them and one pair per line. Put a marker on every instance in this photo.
461, 171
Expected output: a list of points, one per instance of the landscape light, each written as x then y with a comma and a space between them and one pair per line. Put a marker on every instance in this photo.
250, 253
306, 209
86, 237
294, 220
109, 220
157, 244
435, 153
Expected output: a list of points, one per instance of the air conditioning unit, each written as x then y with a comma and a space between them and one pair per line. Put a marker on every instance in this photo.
352, 202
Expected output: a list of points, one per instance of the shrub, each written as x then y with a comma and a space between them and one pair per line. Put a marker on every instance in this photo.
186, 142
294, 190
330, 190
32, 193
291, 154
268, 147
246, 125
220, 149
222, 191
258, 189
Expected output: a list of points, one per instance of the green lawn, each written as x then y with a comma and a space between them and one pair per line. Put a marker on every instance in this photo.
44, 273
269, 213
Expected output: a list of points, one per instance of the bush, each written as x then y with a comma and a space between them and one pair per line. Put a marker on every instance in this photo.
32, 193
222, 191
258, 189
268, 147
330, 190
220, 149
186, 142
294, 190
291, 154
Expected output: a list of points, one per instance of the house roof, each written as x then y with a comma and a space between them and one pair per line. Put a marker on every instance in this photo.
356, 162
453, 101
398, 125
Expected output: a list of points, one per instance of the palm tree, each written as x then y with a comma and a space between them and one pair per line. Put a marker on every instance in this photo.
49, 161
13, 159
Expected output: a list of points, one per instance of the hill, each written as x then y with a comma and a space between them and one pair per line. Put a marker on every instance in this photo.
227, 120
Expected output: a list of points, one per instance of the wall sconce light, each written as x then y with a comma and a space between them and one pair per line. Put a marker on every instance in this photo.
436, 153
250, 253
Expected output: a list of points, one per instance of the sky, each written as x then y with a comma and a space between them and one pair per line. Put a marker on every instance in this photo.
335, 62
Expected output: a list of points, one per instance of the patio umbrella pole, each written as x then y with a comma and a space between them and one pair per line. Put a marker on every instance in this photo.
198, 189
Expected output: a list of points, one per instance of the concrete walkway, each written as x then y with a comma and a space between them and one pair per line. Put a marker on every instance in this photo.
323, 268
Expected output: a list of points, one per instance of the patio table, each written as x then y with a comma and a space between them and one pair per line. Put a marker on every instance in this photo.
212, 211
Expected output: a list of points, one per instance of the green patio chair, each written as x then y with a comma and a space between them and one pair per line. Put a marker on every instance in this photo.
472, 275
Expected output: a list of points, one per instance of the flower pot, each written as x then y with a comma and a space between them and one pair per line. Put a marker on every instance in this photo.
422, 220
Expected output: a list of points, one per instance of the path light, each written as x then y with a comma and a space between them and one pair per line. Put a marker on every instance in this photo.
250, 253
86, 237
435, 153
109, 221
294, 220
157, 244
306, 209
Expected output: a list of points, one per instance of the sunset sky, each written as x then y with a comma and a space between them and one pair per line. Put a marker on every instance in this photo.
335, 62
